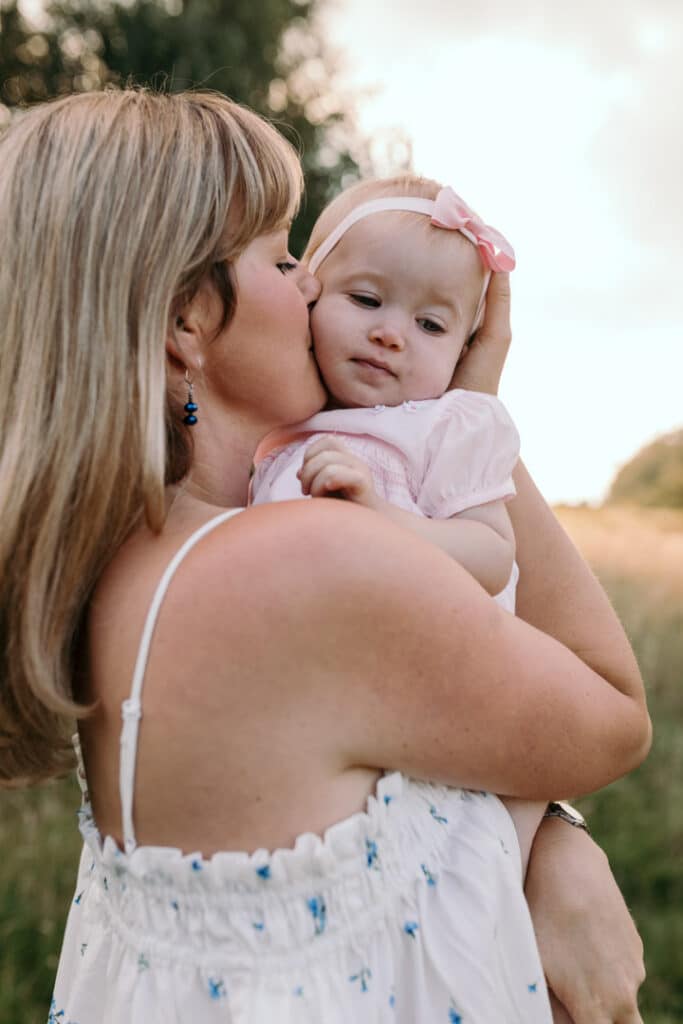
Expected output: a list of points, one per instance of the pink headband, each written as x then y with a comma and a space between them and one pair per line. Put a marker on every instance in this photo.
447, 211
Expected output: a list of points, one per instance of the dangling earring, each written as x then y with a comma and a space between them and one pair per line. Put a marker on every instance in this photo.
190, 407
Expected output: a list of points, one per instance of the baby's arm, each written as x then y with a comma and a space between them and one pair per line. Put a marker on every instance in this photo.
526, 816
480, 539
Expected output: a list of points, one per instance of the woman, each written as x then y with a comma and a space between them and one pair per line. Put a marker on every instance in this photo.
301, 648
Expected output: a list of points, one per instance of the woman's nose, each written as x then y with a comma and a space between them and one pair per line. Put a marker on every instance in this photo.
388, 335
308, 285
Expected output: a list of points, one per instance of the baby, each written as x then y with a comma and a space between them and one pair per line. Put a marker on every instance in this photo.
404, 266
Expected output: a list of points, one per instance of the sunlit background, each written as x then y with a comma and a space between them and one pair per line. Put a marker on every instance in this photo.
561, 124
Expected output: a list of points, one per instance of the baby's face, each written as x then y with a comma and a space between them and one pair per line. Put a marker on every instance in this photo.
396, 308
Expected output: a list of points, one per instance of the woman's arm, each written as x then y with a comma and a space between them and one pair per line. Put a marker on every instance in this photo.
567, 603
591, 951
436, 679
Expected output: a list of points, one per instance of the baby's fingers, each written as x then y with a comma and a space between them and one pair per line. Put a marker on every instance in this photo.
337, 479
324, 444
318, 461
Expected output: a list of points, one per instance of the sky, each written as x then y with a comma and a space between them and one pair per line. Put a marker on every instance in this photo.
560, 124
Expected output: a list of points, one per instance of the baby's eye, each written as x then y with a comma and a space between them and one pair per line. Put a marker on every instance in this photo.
429, 325
369, 301
286, 266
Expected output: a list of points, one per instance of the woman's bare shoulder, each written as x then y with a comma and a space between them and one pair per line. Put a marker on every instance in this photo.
295, 553
316, 540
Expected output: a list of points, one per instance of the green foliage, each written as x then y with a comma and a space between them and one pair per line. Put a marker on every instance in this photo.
639, 820
654, 476
267, 54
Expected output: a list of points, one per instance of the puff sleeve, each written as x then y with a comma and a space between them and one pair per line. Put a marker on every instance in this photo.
469, 455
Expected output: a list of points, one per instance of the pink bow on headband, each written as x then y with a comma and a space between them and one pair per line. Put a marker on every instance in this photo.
452, 213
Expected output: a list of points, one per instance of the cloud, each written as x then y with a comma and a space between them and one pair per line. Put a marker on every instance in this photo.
636, 44
610, 34
641, 150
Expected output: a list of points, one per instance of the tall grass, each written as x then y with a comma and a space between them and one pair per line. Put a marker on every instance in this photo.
638, 555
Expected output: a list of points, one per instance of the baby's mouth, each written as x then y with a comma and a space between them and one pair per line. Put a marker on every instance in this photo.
374, 364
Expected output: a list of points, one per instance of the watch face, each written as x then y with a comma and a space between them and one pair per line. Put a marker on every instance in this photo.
565, 811
571, 812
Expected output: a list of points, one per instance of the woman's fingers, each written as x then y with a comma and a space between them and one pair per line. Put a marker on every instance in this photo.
496, 323
481, 367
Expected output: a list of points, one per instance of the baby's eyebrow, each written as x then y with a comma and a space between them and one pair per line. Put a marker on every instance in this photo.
366, 273
449, 302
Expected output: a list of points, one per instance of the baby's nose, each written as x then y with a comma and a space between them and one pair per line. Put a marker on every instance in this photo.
389, 335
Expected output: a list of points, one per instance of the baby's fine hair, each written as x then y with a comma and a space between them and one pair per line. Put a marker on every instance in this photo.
365, 191
114, 207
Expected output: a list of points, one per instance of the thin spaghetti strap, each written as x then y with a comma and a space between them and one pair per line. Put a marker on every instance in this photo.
131, 709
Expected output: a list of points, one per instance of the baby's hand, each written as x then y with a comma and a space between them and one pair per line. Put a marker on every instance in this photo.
330, 470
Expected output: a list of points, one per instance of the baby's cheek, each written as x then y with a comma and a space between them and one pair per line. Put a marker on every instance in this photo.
325, 333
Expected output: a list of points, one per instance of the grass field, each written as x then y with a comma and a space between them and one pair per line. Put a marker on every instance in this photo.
638, 555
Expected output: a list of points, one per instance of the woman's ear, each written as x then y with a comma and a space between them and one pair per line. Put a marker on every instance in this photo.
187, 333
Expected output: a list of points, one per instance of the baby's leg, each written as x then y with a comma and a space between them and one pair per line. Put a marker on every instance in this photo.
526, 816
560, 1015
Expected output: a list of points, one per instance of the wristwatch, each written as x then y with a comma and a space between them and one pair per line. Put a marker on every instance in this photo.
565, 811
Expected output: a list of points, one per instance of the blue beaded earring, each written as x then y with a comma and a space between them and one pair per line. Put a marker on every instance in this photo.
190, 407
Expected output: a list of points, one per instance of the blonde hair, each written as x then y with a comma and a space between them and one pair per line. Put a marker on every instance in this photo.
363, 192
114, 207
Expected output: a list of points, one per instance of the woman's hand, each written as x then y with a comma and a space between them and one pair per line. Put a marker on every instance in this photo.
591, 952
330, 470
481, 366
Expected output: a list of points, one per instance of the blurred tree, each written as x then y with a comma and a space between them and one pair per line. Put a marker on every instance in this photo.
268, 54
654, 476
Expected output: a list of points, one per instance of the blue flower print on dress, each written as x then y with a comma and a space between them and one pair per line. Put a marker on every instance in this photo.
143, 962
372, 854
258, 926
196, 864
436, 816
217, 988
410, 928
533, 986
387, 799
453, 1015
363, 976
57, 1016
317, 907
430, 878
392, 998
78, 898
263, 871
298, 992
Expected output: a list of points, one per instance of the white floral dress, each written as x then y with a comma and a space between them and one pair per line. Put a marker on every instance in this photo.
410, 911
